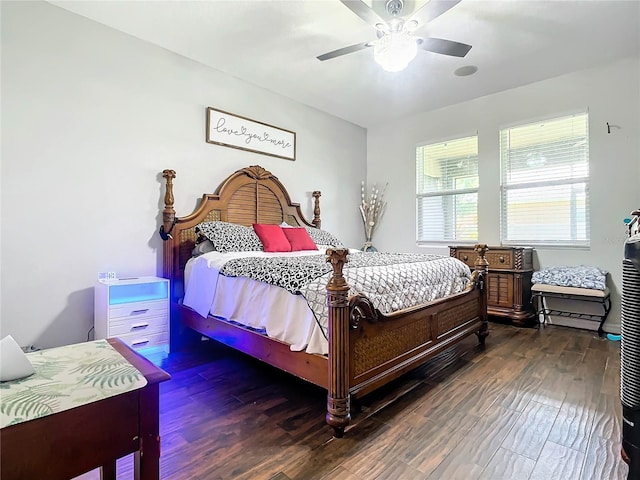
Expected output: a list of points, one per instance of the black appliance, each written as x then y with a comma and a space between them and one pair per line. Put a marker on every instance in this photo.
630, 350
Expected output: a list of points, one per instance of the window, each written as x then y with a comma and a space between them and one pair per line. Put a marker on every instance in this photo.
545, 182
447, 191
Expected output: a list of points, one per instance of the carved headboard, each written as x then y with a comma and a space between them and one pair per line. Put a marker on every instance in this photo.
250, 195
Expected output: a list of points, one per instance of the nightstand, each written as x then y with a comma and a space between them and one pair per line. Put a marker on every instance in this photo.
508, 282
135, 310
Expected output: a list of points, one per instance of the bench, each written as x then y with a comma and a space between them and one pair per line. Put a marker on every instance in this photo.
580, 303
571, 292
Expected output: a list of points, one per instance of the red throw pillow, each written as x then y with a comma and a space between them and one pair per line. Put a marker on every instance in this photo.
272, 237
299, 239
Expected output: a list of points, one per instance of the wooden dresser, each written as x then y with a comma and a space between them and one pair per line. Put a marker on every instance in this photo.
509, 281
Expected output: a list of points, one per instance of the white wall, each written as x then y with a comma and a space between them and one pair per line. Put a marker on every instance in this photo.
611, 93
90, 117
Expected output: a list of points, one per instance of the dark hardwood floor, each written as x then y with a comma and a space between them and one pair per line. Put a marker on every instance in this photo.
533, 404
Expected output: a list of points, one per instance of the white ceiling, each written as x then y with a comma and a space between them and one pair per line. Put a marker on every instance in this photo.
274, 44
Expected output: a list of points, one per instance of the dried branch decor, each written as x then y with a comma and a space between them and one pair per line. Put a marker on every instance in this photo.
372, 209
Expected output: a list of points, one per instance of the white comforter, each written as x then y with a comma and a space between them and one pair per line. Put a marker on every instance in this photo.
261, 306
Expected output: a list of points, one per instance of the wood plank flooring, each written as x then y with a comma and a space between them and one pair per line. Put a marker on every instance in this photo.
532, 405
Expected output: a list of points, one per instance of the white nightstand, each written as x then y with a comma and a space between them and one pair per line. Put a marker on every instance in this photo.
136, 310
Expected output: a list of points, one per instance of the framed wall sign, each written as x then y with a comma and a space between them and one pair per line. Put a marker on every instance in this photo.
229, 130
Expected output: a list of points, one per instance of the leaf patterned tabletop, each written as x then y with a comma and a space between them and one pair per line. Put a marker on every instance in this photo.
67, 377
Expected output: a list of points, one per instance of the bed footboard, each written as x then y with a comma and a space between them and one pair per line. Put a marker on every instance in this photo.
368, 349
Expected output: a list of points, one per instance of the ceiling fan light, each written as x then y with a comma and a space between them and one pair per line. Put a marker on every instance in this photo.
411, 25
393, 52
382, 27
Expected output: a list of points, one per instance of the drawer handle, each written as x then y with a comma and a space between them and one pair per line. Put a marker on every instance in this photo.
143, 341
465, 258
501, 258
140, 312
139, 325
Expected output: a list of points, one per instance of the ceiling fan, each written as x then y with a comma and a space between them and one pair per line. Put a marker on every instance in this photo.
396, 44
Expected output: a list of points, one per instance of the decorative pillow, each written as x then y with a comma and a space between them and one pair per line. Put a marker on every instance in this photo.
272, 237
322, 237
299, 239
230, 237
203, 247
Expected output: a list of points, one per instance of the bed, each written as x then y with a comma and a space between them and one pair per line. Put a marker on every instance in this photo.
366, 348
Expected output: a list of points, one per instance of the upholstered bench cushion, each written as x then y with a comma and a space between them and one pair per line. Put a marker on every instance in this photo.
580, 276
587, 292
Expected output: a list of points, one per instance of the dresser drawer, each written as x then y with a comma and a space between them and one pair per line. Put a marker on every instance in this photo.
139, 341
139, 309
139, 325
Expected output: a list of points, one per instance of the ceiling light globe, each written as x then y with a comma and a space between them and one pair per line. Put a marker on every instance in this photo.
394, 51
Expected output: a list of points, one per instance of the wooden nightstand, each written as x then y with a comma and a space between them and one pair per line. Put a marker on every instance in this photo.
509, 281
135, 310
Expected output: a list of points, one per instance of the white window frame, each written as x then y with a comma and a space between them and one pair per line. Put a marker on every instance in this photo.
579, 231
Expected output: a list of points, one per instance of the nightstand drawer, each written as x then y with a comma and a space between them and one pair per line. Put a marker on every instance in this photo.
139, 309
500, 259
467, 255
146, 326
139, 341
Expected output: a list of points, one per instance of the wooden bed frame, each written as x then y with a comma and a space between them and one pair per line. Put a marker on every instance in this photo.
367, 349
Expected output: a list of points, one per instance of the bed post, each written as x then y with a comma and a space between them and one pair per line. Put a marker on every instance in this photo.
338, 399
316, 208
168, 220
481, 269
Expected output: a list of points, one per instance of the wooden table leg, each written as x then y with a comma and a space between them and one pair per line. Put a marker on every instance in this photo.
108, 470
147, 459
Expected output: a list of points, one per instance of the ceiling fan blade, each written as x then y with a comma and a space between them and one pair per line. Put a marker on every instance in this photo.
445, 47
432, 10
343, 51
362, 10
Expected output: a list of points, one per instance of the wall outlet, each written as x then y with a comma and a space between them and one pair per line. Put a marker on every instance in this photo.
107, 276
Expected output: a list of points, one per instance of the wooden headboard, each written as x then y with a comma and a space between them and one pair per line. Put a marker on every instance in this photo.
250, 195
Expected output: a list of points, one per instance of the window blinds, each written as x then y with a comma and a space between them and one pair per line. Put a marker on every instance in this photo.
447, 191
545, 182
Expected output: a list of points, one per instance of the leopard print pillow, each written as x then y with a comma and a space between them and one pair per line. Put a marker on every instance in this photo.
322, 237
230, 237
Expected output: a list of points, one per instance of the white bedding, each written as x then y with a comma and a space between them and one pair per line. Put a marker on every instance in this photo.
272, 309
